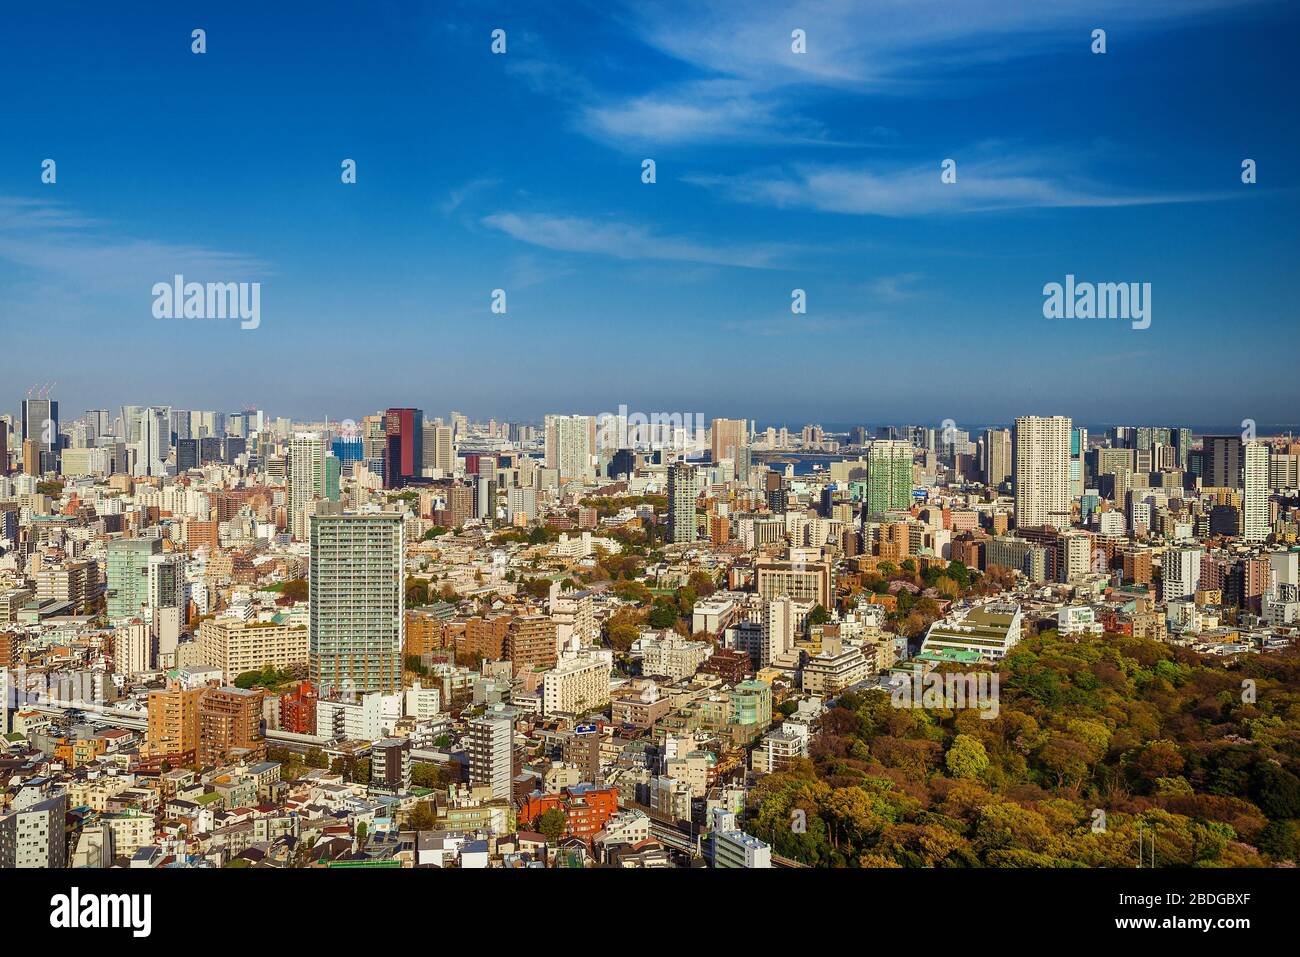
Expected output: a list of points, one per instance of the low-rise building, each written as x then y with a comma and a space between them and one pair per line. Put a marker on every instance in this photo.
837, 667
991, 630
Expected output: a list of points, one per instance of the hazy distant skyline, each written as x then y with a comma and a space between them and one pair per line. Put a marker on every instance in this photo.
973, 427
775, 171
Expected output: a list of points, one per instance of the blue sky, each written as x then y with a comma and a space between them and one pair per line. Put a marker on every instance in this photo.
775, 171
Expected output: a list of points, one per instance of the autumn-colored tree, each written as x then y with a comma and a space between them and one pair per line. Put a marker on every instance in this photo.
1155, 736
423, 817
417, 592
622, 635
966, 757
426, 774
295, 589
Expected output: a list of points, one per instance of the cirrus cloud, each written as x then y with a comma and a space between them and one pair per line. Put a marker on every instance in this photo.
626, 241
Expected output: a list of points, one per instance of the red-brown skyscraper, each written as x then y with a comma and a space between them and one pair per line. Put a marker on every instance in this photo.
404, 454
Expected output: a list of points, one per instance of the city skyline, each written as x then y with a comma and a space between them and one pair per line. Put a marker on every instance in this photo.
776, 172
458, 613
1200, 430
780, 435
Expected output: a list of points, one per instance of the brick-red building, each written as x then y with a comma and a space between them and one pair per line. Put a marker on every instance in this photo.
298, 709
731, 666
586, 809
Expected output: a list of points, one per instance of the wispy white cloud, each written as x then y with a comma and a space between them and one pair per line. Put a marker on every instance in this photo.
751, 85
456, 197
895, 288
20, 213
850, 43
686, 114
990, 180
527, 270
626, 241
80, 252
712, 110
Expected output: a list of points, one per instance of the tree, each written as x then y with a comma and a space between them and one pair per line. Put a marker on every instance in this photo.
316, 759
267, 676
966, 757
1160, 759
959, 573
947, 587
1276, 790
633, 591
622, 635
1154, 734
912, 625
702, 583
537, 587
417, 592
361, 771
663, 615
422, 817
543, 534
295, 589
552, 825
426, 774
853, 816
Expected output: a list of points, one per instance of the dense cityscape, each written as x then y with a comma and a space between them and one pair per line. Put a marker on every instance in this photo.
820, 441
642, 640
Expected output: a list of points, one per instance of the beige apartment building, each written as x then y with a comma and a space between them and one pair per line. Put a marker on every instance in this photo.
807, 581
837, 667
575, 686
74, 581
236, 646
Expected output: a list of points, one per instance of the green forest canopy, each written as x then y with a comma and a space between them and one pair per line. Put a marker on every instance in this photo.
1150, 735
